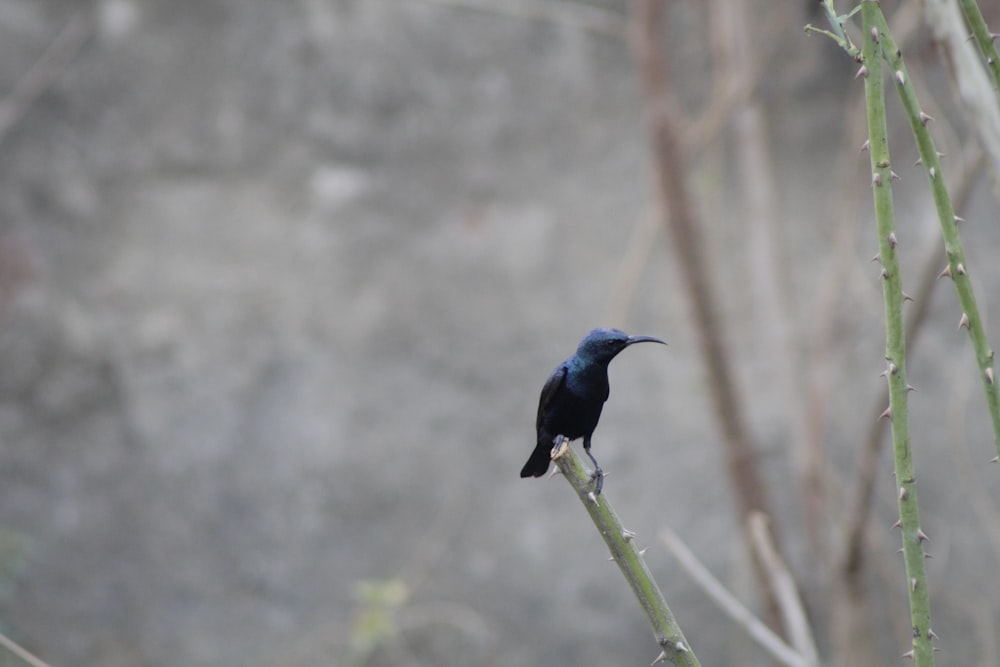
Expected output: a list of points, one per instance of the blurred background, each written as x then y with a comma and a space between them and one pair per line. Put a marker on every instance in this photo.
280, 283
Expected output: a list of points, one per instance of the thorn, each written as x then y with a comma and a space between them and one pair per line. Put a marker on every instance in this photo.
628, 535
899, 550
883, 374
898, 524
970, 37
875, 35
660, 658
893, 176
611, 557
592, 497
995, 459
940, 154
903, 495
876, 258
913, 584
925, 118
900, 77
876, 179
922, 536
892, 368
932, 172
680, 647
885, 273
555, 473
863, 73
864, 146
887, 414
931, 634
946, 272
989, 374
928, 556
919, 162
907, 297
908, 654
964, 322
642, 552
892, 235
910, 388
960, 269
959, 219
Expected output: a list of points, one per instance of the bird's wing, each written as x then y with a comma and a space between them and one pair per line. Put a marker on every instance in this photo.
552, 386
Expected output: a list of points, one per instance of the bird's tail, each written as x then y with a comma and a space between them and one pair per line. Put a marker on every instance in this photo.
538, 464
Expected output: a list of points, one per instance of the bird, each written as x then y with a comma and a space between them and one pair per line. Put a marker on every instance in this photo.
574, 395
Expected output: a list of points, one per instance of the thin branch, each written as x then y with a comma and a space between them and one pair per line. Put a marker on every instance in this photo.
733, 608
773, 294
784, 589
40, 76
875, 40
984, 38
958, 268
624, 552
631, 266
976, 495
671, 169
22, 653
971, 81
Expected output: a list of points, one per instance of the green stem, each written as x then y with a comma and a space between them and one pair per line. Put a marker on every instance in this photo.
837, 25
957, 266
621, 542
984, 38
892, 293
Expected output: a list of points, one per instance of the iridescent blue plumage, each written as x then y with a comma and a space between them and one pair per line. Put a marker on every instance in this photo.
574, 395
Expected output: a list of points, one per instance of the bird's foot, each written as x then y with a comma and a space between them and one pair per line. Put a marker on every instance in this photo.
560, 445
597, 477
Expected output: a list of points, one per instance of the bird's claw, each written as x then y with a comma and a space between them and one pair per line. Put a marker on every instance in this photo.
560, 446
597, 477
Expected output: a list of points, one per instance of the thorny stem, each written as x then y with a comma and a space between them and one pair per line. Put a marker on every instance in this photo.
875, 34
624, 552
984, 38
917, 311
972, 81
957, 268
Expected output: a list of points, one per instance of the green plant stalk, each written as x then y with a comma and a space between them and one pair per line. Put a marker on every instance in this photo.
895, 349
837, 24
621, 542
983, 38
957, 267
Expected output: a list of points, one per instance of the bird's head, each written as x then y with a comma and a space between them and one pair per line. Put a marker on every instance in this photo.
602, 345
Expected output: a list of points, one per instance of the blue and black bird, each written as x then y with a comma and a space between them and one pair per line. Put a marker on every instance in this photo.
573, 396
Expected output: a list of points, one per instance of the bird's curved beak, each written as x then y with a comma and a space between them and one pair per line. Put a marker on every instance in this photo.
644, 339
